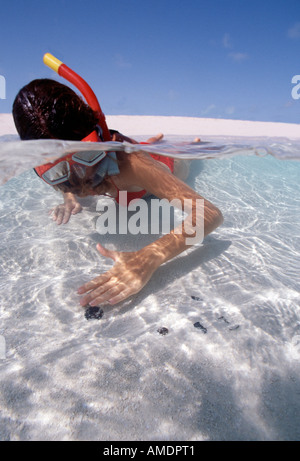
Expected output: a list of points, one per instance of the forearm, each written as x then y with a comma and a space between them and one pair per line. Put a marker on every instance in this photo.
192, 230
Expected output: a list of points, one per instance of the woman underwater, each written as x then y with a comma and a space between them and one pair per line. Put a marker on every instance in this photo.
46, 109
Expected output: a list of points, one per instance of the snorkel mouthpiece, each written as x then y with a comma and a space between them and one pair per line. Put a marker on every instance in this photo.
64, 71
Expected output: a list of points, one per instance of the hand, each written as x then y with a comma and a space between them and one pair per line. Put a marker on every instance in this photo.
155, 139
131, 272
62, 213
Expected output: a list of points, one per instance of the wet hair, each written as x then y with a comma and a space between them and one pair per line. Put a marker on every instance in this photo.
47, 109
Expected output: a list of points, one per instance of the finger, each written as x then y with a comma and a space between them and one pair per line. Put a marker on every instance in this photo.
66, 215
117, 293
93, 284
53, 212
107, 253
101, 294
56, 210
58, 215
124, 294
104, 297
77, 208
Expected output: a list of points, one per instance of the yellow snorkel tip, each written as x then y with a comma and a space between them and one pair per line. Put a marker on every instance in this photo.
52, 62
64, 71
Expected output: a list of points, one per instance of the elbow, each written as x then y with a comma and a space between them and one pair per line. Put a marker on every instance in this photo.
214, 219
219, 218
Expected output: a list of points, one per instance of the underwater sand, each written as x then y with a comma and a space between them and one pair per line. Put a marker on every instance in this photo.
228, 366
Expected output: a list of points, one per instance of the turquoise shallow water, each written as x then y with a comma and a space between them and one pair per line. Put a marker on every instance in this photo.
66, 377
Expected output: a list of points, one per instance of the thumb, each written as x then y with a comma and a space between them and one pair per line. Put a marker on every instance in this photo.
77, 208
107, 253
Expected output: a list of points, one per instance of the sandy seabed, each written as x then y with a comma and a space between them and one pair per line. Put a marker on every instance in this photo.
67, 374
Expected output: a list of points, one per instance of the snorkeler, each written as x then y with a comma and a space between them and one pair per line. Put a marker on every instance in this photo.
46, 109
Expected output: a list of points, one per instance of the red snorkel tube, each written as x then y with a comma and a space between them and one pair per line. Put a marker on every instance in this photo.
64, 71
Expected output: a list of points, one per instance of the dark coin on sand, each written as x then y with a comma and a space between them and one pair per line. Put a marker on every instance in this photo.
93, 312
200, 327
163, 331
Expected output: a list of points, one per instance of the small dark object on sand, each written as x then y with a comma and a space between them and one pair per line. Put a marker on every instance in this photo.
223, 318
93, 312
196, 298
201, 327
163, 331
233, 327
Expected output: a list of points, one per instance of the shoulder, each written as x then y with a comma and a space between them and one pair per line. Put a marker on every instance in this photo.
139, 166
141, 170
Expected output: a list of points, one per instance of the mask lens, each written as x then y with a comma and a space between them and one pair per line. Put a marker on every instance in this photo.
88, 158
57, 174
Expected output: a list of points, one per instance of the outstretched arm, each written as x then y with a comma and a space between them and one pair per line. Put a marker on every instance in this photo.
132, 270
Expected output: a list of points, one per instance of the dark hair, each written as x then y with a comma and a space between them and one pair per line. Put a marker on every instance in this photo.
46, 109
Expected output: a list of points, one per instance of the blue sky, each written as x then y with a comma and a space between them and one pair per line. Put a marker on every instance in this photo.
231, 59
